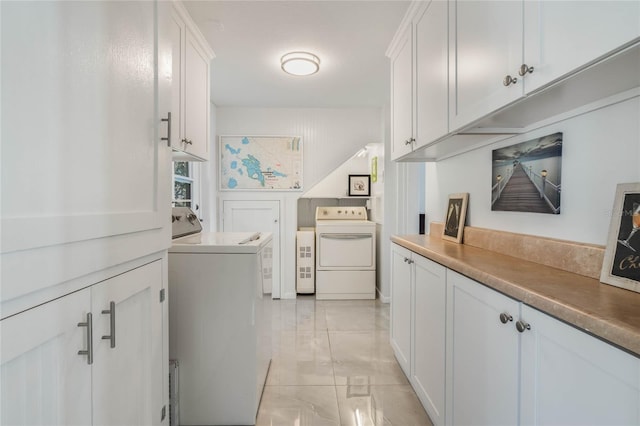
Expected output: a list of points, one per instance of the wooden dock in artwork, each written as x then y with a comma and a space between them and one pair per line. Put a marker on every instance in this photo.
520, 194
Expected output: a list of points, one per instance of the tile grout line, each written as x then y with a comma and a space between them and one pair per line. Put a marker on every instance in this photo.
333, 370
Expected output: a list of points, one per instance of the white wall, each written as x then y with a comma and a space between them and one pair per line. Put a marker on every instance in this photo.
336, 184
330, 136
601, 148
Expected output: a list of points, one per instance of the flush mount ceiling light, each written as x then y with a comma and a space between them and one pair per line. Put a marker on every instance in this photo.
300, 63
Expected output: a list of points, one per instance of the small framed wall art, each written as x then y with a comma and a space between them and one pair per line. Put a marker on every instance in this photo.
621, 266
359, 185
455, 216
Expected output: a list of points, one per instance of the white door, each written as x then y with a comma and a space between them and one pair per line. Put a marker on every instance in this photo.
44, 379
196, 103
256, 216
177, 28
401, 276
485, 46
431, 73
571, 378
560, 36
401, 98
93, 167
428, 371
482, 355
345, 251
128, 348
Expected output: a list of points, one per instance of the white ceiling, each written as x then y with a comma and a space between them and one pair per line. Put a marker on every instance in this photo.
249, 37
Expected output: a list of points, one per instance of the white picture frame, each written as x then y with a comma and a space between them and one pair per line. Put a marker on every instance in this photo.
260, 163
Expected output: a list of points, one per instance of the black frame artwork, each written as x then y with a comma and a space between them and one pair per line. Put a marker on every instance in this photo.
359, 185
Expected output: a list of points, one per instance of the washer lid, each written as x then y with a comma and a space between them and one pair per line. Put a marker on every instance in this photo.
221, 242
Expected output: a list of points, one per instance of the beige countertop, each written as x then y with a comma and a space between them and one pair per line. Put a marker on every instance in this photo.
608, 312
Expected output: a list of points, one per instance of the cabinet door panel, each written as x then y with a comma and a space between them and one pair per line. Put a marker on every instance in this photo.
82, 165
428, 372
402, 98
401, 306
482, 367
571, 378
77, 118
44, 380
485, 46
177, 29
124, 379
431, 74
561, 36
196, 116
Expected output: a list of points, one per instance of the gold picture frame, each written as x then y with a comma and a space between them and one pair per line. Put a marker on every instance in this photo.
455, 216
621, 266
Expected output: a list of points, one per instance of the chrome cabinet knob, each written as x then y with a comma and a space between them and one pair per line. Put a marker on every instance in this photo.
505, 318
409, 141
508, 80
524, 70
521, 326
187, 141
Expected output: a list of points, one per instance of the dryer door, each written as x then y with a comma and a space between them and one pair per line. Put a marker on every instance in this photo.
346, 251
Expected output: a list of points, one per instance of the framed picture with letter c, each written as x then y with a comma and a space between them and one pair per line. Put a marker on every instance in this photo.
359, 185
621, 266
455, 216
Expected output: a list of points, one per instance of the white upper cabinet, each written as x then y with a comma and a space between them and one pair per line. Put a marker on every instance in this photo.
485, 54
431, 73
510, 64
85, 177
419, 96
196, 112
401, 97
562, 36
190, 105
504, 50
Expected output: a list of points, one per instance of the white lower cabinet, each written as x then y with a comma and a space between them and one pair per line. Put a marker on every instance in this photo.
429, 316
482, 354
400, 324
43, 379
506, 363
418, 326
571, 378
82, 360
127, 345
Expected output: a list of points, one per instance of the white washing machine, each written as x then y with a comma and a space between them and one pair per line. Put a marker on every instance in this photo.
219, 321
345, 253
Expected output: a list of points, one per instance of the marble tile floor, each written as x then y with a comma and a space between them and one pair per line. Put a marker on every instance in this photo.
332, 365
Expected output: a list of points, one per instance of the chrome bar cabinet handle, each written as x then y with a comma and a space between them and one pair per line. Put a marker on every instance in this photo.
112, 321
89, 351
168, 120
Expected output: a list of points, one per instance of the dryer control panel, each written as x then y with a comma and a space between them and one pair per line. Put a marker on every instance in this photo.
341, 213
